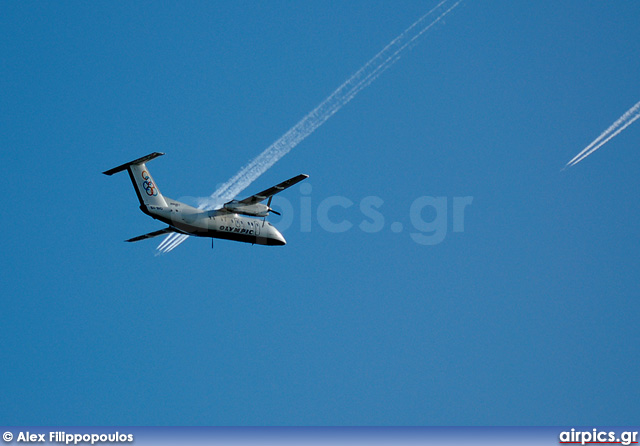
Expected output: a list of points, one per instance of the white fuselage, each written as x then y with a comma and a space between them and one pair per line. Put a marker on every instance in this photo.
217, 223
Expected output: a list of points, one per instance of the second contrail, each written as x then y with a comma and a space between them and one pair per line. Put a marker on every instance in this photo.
614, 129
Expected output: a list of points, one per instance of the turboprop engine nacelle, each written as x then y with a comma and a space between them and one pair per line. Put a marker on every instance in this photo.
254, 210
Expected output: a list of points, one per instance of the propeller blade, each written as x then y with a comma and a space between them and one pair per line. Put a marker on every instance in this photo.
268, 207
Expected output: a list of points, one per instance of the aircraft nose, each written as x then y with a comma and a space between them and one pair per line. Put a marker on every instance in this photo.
278, 239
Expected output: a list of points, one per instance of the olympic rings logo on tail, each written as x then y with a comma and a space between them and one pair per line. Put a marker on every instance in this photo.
148, 185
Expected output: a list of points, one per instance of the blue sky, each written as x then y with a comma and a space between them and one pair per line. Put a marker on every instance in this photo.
528, 316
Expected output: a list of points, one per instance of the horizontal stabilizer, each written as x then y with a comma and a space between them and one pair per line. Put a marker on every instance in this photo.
151, 234
142, 160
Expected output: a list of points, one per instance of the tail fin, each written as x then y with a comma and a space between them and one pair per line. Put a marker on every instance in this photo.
146, 189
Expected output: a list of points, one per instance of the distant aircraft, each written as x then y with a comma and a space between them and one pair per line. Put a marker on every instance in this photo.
228, 222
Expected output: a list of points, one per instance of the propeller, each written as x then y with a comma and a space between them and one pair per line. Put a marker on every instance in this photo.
269, 206
269, 210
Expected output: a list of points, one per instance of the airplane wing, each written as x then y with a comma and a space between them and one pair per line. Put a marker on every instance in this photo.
257, 198
151, 234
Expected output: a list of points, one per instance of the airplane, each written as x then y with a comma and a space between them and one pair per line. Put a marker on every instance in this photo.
230, 222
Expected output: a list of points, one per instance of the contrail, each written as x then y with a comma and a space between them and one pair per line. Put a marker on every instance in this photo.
621, 123
170, 242
318, 116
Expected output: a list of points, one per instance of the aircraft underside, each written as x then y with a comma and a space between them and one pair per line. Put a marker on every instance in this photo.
243, 237
236, 228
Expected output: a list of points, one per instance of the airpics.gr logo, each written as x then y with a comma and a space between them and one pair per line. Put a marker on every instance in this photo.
148, 185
